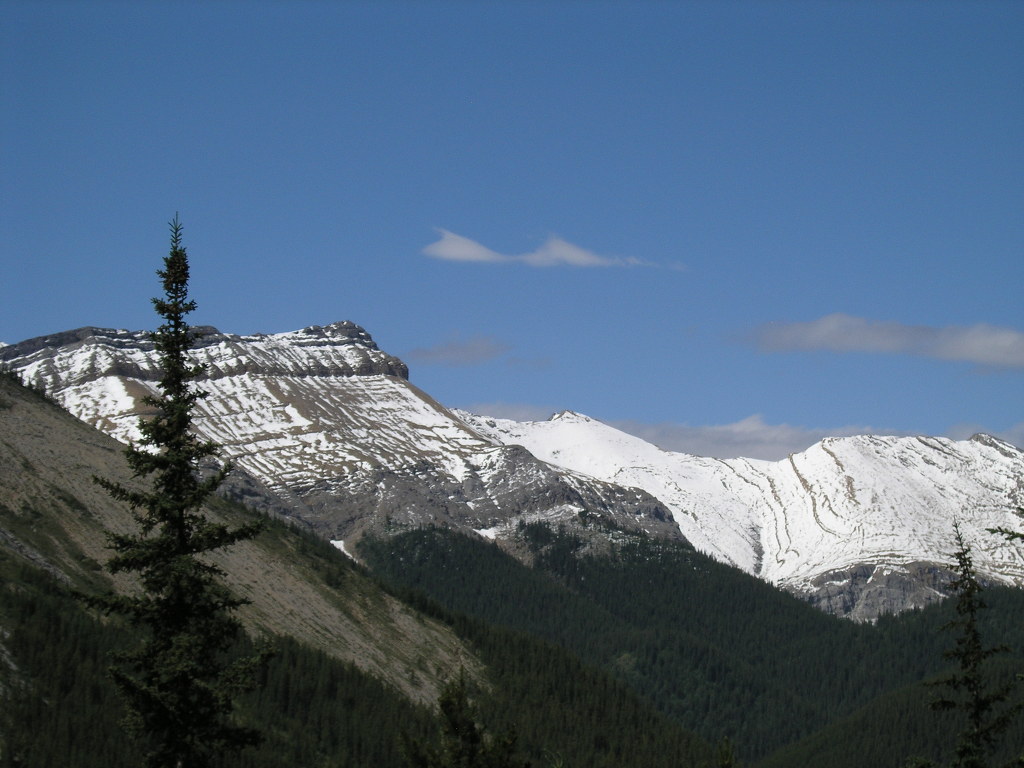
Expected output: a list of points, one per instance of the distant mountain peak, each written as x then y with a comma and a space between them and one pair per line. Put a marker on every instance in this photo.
1005, 448
570, 416
860, 525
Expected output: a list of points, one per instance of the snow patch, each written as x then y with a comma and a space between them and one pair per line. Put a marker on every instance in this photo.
340, 544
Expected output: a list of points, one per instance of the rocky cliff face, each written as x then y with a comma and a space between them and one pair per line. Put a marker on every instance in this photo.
74, 357
325, 426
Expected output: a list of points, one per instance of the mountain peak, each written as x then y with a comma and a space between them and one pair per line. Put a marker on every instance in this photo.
570, 417
823, 521
88, 353
323, 417
1003, 447
343, 332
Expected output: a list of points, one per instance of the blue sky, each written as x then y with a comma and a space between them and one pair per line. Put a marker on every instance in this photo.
733, 227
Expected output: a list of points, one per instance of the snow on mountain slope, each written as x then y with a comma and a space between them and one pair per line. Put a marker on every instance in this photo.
328, 425
327, 421
845, 502
686, 486
274, 402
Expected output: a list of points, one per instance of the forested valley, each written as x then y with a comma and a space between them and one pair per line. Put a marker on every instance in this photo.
654, 656
643, 653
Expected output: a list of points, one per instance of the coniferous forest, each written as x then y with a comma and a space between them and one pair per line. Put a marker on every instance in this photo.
719, 652
633, 661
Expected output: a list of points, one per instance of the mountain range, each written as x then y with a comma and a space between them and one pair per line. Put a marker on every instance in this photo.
326, 428
553, 564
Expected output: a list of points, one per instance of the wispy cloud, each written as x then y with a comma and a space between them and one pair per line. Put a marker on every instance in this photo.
749, 438
982, 344
553, 252
513, 411
460, 352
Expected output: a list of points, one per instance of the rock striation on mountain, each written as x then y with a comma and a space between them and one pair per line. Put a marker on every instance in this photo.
859, 525
326, 427
330, 427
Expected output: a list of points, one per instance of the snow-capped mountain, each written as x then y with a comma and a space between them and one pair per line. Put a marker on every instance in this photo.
325, 426
332, 427
875, 513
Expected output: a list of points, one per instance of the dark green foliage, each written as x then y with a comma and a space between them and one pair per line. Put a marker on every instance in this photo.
723, 654
464, 742
878, 734
177, 686
713, 648
969, 689
60, 708
317, 711
900, 722
556, 703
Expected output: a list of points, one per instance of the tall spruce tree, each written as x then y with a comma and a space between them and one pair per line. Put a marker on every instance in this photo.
967, 688
178, 684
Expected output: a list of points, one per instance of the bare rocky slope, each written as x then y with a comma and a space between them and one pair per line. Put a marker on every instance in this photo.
55, 517
327, 428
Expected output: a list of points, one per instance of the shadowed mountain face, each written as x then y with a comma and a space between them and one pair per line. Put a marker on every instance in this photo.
326, 427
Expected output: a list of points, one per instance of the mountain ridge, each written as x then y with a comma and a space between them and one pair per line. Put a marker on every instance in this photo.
333, 429
791, 522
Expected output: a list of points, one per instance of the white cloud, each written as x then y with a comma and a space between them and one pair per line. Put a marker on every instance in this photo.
553, 252
513, 411
749, 438
982, 344
452, 247
459, 352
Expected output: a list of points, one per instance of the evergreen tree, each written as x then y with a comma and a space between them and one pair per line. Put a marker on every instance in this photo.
178, 685
464, 743
967, 688
1008, 533
726, 757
